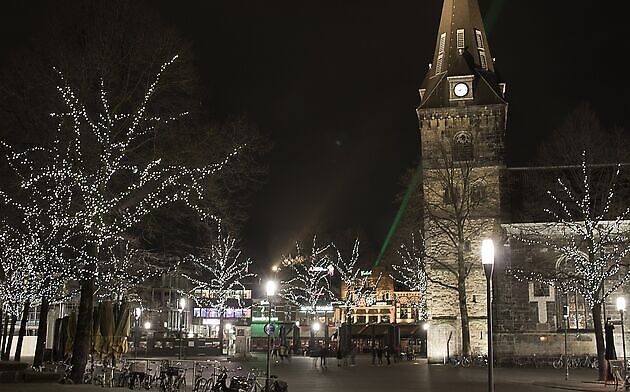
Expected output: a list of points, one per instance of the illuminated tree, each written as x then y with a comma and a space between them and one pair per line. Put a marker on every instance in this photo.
590, 234
411, 273
308, 285
94, 158
219, 274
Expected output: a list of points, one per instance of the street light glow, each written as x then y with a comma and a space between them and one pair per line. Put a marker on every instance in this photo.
271, 287
182, 303
274, 268
228, 327
425, 326
137, 312
487, 251
621, 304
316, 326
147, 325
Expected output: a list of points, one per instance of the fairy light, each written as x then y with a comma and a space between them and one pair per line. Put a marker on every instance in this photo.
308, 284
591, 244
412, 272
101, 195
221, 271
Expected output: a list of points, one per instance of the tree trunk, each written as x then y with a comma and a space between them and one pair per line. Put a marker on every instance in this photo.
10, 338
463, 310
221, 334
20, 341
42, 330
599, 342
5, 334
81, 346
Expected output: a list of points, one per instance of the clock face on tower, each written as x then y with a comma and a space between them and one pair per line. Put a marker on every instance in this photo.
460, 90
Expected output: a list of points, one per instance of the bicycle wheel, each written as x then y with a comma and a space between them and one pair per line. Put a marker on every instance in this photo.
466, 362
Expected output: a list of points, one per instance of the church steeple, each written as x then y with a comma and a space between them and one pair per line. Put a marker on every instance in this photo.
462, 56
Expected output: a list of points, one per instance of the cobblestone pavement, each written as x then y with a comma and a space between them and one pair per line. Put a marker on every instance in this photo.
302, 375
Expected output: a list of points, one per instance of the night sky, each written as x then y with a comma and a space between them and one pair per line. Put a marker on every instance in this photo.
334, 85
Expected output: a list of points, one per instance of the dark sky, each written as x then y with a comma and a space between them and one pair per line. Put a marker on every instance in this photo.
334, 85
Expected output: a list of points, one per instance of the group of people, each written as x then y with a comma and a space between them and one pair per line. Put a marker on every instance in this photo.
281, 351
378, 352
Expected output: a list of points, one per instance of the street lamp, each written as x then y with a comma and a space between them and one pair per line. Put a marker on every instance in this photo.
487, 259
621, 307
565, 315
137, 313
181, 306
270, 288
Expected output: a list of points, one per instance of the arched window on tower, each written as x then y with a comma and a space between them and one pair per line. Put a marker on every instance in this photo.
462, 146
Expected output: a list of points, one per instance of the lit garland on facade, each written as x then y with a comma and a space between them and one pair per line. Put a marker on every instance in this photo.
591, 244
411, 273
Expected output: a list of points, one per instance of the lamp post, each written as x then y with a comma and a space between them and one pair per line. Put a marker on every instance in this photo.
621, 307
270, 288
137, 313
487, 259
180, 308
565, 315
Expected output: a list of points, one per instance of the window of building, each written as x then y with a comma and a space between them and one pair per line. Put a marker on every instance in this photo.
482, 59
580, 316
450, 196
360, 319
462, 146
478, 193
404, 313
442, 43
440, 57
373, 319
479, 39
460, 38
438, 64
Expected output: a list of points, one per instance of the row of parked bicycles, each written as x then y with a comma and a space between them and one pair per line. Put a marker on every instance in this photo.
174, 376
572, 361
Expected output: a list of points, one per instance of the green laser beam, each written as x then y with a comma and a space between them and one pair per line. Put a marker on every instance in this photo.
401, 210
493, 15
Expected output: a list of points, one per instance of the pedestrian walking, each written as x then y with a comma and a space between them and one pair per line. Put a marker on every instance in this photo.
353, 355
323, 355
339, 356
610, 353
379, 354
388, 354
373, 355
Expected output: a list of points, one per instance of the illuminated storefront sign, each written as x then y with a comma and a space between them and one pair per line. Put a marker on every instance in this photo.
209, 313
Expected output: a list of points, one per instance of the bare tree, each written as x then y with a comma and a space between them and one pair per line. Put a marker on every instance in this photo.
460, 206
112, 188
308, 285
220, 274
411, 273
591, 239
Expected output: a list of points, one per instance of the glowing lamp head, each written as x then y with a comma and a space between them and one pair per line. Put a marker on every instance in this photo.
316, 326
425, 326
274, 268
621, 304
147, 325
228, 326
271, 287
487, 252
137, 312
297, 323
182, 303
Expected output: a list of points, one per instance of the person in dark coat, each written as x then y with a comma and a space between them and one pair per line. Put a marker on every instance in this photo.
373, 355
379, 354
388, 354
611, 353
609, 339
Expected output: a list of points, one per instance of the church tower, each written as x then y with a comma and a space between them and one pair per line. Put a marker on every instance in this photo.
462, 117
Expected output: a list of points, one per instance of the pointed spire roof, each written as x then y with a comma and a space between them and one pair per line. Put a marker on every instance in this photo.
461, 49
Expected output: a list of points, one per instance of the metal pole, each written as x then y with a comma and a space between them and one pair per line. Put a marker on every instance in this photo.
268, 344
623, 340
488, 270
566, 358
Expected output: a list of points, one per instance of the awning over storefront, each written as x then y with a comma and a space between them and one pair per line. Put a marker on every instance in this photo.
410, 330
369, 330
